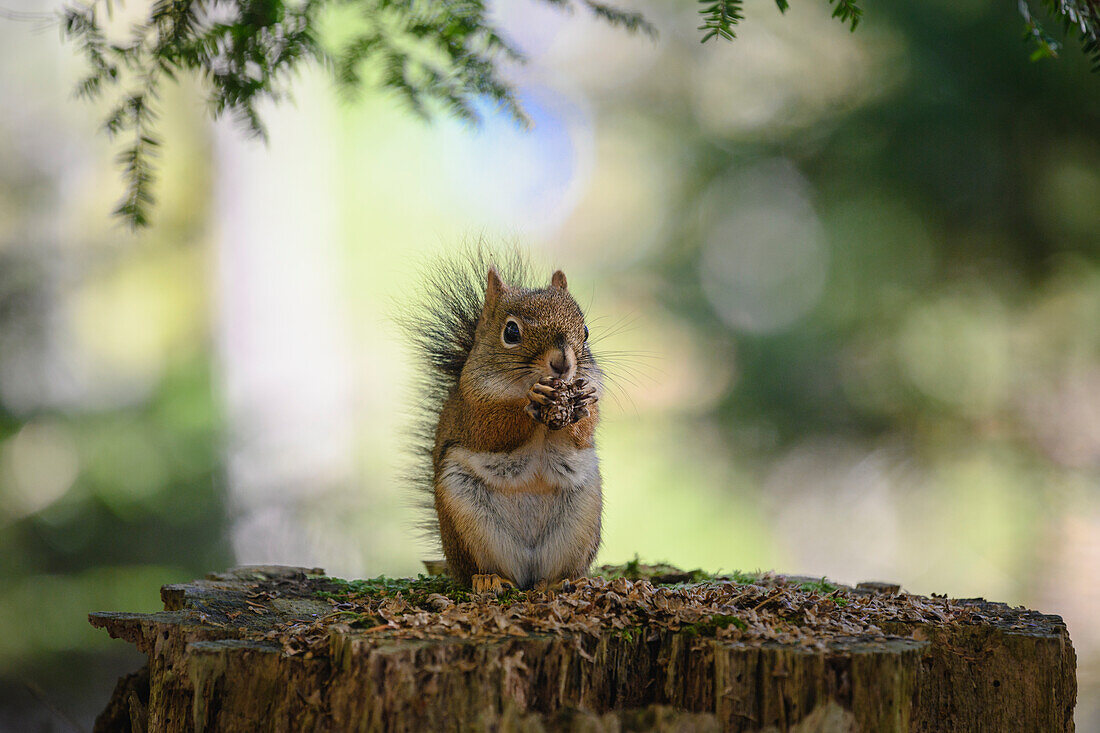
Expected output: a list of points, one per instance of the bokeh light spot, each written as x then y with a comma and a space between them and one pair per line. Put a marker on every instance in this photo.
38, 465
764, 263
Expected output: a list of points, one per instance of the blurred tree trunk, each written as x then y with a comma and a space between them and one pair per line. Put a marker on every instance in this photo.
1017, 673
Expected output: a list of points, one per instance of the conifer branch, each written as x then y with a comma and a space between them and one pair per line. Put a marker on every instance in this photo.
435, 55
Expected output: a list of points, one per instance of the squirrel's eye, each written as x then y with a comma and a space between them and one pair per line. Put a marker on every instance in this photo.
511, 335
586, 333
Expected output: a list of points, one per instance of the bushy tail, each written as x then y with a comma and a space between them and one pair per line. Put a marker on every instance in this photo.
441, 328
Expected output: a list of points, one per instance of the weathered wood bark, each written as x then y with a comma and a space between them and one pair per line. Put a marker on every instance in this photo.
210, 669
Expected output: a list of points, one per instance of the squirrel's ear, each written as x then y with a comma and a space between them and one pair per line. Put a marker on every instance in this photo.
558, 280
494, 286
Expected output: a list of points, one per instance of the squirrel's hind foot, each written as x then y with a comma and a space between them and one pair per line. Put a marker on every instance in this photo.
491, 583
565, 585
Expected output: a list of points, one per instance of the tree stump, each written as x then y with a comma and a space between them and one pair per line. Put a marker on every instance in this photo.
287, 649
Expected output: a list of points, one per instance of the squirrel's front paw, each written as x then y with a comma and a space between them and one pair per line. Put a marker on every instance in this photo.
544, 392
544, 402
583, 396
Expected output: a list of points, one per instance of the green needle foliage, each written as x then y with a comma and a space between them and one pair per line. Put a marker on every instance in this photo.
720, 16
847, 12
1080, 17
433, 54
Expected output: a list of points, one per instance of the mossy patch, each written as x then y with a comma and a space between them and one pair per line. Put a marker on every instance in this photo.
819, 586
415, 591
660, 573
710, 626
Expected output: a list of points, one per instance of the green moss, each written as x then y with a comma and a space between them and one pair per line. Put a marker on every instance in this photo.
660, 573
415, 591
630, 633
821, 586
743, 578
711, 625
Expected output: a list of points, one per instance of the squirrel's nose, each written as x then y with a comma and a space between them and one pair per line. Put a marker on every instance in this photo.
563, 363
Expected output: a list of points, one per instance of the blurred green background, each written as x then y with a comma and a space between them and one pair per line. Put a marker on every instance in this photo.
847, 287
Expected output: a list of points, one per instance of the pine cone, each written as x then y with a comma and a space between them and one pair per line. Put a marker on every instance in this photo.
559, 413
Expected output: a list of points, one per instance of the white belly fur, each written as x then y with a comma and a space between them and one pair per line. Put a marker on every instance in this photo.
536, 508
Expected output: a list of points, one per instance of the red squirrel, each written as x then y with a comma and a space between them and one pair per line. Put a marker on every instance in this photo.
509, 421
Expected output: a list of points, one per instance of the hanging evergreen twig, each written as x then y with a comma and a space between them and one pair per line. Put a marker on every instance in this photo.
433, 54
847, 12
719, 18
1080, 17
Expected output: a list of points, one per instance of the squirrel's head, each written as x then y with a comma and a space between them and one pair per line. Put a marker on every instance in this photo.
525, 334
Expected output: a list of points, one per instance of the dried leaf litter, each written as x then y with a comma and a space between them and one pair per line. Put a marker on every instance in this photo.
735, 608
